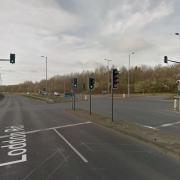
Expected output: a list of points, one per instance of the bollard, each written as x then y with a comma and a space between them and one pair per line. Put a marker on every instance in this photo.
175, 104
85, 98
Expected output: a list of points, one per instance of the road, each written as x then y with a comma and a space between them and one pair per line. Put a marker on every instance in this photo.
149, 111
40, 141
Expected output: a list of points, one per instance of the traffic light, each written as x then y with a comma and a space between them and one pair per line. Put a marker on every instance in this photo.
12, 58
91, 83
165, 59
75, 82
115, 78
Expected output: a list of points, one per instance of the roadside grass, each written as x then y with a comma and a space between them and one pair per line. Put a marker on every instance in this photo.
35, 97
51, 98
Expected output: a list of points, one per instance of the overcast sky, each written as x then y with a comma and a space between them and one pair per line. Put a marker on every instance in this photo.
77, 35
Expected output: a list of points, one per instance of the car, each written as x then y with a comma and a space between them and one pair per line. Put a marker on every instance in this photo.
44, 93
56, 94
68, 94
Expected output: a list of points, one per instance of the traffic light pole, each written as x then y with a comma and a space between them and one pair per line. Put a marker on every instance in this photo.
173, 61
74, 86
166, 60
112, 82
91, 86
11, 59
4, 59
74, 100
90, 101
112, 104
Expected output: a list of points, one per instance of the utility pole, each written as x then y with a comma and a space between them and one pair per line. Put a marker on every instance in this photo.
129, 63
46, 72
108, 83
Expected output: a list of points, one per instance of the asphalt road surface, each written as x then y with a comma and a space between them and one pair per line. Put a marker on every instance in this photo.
149, 111
40, 141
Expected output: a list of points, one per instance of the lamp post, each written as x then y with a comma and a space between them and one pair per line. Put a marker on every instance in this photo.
131, 53
46, 72
108, 84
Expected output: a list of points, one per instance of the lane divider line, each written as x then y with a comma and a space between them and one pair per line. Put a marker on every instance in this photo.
169, 124
150, 127
71, 146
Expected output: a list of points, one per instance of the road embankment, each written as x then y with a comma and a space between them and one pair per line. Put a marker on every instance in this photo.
166, 142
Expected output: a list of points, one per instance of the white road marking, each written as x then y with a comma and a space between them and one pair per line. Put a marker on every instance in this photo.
52, 128
57, 127
169, 124
71, 146
15, 145
5, 136
150, 127
24, 158
34, 131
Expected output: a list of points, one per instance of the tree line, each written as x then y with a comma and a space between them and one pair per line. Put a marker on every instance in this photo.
143, 79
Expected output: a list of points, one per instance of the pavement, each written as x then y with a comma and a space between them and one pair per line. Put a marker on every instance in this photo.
40, 141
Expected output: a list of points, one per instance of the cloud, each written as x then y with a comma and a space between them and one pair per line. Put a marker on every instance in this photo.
77, 35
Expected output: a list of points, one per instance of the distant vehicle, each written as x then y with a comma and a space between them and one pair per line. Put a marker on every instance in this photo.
28, 93
104, 92
56, 94
68, 94
44, 93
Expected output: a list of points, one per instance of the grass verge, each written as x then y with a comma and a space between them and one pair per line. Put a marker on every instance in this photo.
52, 99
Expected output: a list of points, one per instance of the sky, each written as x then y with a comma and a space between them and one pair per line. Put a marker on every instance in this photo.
78, 35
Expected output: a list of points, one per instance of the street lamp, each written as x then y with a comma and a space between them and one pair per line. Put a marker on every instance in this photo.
46, 72
131, 53
108, 84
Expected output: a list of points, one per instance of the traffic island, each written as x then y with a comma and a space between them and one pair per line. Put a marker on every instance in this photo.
166, 142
